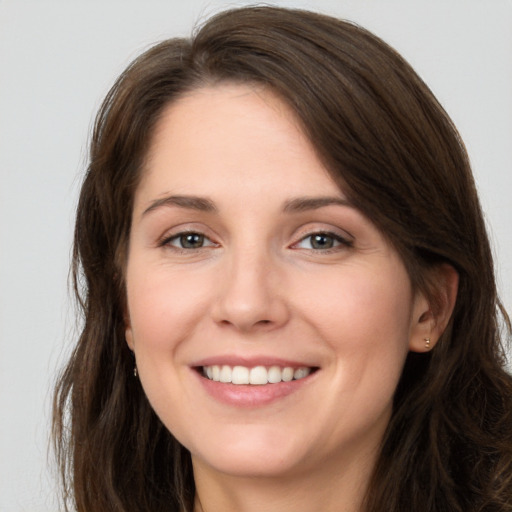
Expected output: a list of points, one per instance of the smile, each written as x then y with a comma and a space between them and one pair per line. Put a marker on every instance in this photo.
258, 375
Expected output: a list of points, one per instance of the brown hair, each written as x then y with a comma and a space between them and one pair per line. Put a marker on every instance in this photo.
386, 140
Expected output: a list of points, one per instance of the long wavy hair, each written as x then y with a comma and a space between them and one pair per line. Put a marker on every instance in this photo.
388, 143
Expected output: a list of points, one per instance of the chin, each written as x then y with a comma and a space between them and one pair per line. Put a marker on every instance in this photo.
251, 465
251, 456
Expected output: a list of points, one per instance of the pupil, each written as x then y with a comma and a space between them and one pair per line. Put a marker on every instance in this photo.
322, 242
192, 240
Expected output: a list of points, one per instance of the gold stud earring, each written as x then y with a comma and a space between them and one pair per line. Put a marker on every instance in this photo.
427, 344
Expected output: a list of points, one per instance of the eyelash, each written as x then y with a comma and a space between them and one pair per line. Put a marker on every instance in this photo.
337, 241
167, 242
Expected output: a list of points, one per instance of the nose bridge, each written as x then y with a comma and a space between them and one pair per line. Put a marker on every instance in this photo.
249, 296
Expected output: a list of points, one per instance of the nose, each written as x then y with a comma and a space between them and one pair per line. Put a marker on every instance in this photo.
251, 294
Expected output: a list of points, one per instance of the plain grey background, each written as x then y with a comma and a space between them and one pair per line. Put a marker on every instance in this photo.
57, 61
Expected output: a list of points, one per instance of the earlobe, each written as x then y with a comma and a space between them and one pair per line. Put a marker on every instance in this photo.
128, 331
128, 334
432, 317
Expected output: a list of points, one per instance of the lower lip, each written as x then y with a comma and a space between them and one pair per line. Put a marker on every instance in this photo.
251, 395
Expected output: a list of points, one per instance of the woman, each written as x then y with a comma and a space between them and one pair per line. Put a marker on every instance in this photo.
287, 286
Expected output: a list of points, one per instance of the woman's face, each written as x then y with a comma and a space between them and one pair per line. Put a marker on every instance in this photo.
246, 263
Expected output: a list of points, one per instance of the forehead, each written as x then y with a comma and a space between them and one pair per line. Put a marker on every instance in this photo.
215, 138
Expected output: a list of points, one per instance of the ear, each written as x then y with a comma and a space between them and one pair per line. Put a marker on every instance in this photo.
431, 317
128, 332
129, 338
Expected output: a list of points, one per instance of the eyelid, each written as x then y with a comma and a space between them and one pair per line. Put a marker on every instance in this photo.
174, 234
185, 233
344, 240
341, 236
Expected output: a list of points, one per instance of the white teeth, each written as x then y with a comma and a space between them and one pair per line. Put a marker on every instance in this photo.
287, 374
274, 374
258, 375
300, 373
225, 374
240, 375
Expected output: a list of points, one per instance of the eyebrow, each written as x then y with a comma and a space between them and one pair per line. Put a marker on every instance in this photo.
202, 204
301, 204
190, 202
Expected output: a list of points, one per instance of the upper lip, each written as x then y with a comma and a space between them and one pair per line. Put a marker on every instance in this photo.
252, 361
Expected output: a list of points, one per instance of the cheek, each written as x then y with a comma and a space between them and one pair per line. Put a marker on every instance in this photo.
365, 318
164, 305
359, 305
165, 308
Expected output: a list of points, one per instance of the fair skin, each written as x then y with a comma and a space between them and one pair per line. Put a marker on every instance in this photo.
244, 253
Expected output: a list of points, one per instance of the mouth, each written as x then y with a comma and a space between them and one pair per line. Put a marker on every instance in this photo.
256, 376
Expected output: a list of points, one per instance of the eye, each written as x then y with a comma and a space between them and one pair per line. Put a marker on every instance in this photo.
188, 240
322, 241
